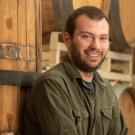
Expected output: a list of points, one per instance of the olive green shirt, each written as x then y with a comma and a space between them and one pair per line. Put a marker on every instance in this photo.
60, 104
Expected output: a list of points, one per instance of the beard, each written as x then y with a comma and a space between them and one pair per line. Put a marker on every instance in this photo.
82, 64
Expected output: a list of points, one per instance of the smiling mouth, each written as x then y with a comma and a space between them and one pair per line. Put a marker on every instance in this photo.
93, 54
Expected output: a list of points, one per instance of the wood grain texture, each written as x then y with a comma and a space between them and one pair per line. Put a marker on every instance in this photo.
18, 30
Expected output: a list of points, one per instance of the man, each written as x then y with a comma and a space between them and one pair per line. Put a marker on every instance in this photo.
72, 98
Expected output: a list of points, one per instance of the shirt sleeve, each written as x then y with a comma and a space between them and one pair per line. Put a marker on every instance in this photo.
48, 111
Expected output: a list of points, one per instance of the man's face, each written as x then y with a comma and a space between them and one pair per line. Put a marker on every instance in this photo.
90, 43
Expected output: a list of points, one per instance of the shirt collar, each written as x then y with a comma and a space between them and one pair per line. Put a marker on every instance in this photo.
73, 73
70, 69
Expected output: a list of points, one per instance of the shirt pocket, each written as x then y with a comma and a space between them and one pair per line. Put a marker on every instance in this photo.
81, 121
106, 116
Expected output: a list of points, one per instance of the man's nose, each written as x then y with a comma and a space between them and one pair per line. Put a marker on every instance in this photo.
96, 43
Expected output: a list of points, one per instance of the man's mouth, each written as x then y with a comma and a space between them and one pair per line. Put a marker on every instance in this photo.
92, 53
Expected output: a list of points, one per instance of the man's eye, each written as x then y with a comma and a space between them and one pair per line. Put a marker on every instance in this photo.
86, 37
104, 38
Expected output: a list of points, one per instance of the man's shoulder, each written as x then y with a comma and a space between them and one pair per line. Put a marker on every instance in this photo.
55, 73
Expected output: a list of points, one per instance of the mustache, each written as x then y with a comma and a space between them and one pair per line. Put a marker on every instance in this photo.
96, 51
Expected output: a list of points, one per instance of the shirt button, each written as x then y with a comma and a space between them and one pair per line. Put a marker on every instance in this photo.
90, 92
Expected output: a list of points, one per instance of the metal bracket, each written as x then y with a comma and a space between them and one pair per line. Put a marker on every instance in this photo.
17, 78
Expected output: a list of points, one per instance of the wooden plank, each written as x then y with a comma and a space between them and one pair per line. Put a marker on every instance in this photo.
61, 46
9, 32
115, 76
21, 35
96, 3
45, 55
1, 107
79, 3
12, 101
53, 56
119, 56
106, 66
55, 44
49, 23
45, 60
9, 35
30, 13
53, 40
3, 15
38, 36
29, 33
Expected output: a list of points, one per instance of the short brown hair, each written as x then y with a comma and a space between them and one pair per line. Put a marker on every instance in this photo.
90, 11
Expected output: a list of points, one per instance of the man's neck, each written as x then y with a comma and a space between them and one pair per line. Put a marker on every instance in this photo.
87, 76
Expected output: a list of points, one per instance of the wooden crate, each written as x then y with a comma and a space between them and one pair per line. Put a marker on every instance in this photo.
117, 66
56, 51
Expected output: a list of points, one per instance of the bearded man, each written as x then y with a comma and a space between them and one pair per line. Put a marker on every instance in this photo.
72, 98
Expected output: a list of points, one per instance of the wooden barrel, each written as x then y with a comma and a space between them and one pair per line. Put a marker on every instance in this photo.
19, 38
126, 98
102, 4
122, 24
55, 12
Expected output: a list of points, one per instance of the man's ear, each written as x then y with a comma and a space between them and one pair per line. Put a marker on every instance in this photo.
67, 39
